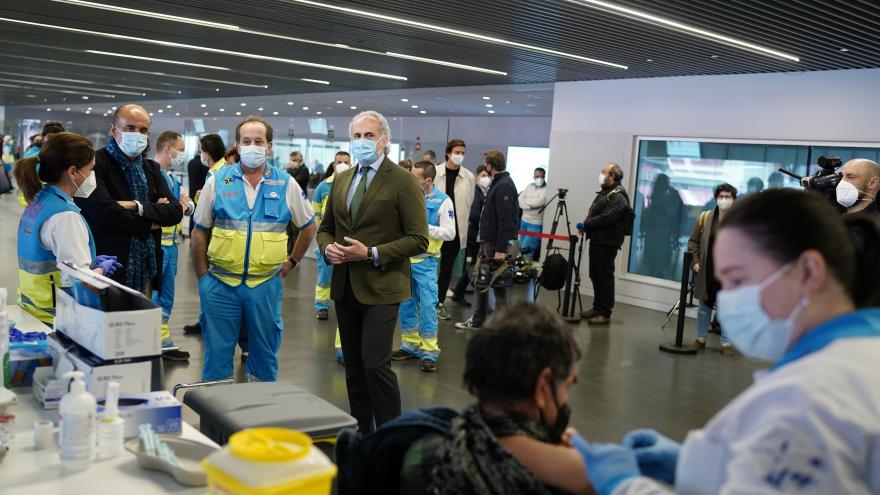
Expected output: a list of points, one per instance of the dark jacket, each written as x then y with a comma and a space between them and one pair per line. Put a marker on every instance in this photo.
113, 226
392, 218
500, 218
301, 176
198, 174
603, 224
474, 223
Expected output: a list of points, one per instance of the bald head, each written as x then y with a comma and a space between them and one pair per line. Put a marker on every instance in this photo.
130, 118
864, 174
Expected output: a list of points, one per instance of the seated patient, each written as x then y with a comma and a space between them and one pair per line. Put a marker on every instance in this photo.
520, 368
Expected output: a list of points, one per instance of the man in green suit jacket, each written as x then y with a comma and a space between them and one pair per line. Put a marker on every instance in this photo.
375, 220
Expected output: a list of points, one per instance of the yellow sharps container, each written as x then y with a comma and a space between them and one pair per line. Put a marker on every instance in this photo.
269, 461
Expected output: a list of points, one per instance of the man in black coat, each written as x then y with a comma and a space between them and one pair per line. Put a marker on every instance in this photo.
131, 203
499, 223
604, 228
198, 174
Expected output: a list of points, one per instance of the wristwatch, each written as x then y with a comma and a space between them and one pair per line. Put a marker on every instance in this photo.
370, 258
290, 259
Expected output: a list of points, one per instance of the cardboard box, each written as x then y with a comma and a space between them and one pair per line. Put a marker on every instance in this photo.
159, 409
112, 333
135, 375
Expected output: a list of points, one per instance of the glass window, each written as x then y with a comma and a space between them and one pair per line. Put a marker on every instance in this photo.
675, 181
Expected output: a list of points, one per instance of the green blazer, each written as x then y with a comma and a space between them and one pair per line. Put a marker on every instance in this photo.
392, 218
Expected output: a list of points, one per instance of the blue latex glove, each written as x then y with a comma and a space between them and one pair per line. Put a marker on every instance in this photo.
107, 264
608, 464
656, 454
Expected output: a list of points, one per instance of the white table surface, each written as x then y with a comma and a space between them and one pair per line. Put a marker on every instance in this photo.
25, 321
25, 471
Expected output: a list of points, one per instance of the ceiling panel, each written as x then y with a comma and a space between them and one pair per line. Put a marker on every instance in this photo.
825, 35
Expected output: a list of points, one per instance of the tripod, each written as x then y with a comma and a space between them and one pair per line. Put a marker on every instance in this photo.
572, 291
561, 209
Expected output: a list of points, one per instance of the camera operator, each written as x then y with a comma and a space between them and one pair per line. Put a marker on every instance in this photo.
604, 227
498, 227
857, 190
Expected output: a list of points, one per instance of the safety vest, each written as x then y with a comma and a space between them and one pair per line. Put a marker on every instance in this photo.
169, 234
319, 198
38, 273
248, 245
219, 164
433, 202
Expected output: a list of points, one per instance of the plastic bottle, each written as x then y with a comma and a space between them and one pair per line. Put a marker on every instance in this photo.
111, 428
77, 437
5, 372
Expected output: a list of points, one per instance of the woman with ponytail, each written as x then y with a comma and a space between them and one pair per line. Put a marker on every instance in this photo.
800, 288
51, 228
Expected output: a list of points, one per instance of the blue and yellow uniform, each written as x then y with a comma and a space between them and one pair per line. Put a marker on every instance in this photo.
418, 314
247, 248
164, 297
38, 273
324, 269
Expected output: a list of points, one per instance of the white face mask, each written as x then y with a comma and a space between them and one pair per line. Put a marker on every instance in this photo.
601, 179
87, 187
848, 194
539, 182
341, 167
748, 326
457, 159
725, 203
133, 143
484, 183
177, 160
252, 156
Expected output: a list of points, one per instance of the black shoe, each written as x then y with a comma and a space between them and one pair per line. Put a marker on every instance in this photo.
402, 355
244, 356
467, 325
192, 329
322, 314
429, 365
461, 301
175, 355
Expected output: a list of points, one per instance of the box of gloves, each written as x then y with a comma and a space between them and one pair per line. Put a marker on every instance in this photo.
110, 320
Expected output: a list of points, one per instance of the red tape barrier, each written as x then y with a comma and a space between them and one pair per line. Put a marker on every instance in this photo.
542, 236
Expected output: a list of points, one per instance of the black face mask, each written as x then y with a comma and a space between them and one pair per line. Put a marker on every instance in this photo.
563, 415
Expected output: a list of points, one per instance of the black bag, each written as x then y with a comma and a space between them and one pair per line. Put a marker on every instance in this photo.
629, 215
488, 273
554, 273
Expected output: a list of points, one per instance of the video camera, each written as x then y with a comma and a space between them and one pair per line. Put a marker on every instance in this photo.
825, 180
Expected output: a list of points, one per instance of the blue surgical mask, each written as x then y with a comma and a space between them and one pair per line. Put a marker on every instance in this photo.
133, 143
748, 326
364, 150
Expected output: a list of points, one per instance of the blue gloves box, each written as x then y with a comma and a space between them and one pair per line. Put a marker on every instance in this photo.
159, 409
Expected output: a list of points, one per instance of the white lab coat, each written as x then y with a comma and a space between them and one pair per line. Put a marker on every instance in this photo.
465, 188
809, 427
531, 200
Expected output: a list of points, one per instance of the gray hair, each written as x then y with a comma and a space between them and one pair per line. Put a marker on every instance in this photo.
383, 122
616, 172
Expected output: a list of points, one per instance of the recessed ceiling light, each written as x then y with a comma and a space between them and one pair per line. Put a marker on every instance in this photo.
290, 103
185, 46
274, 113
713, 56
260, 109
454, 32
152, 59
339, 102
404, 100
67, 109
89, 108
160, 110
844, 49
353, 107
217, 90
48, 109
203, 105
88, 112
681, 27
491, 111
238, 113
206, 114
113, 108
243, 104
222, 109
31, 96
489, 105
423, 112
414, 106
649, 60
167, 106
318, 113
487, 97
177, 114
151, 114
305, 108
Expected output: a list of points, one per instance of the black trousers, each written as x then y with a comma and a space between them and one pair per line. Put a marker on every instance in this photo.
481, 302
367, 334
448, 254
602, 276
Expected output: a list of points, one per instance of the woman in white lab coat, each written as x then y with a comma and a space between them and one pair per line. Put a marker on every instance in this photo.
794, 277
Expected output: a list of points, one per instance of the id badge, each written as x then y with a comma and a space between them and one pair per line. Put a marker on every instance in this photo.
272, 205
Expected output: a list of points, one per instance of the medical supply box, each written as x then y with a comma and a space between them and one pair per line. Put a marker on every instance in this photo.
227, 409
110, 320
159, 409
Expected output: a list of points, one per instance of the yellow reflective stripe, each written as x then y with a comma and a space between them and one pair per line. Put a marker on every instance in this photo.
37, 267
36, 294
322, 294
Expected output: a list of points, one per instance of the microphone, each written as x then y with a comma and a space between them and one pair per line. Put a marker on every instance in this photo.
580, 227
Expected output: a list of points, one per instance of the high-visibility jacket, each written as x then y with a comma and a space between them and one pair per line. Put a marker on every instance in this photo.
433, 202
320, 196
38, 273
169, 234
248, 245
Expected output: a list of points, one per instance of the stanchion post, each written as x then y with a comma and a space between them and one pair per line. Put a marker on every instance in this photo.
679, 347
568, 305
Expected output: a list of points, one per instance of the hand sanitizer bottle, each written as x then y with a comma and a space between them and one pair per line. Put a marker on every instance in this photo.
77, 437
111, 428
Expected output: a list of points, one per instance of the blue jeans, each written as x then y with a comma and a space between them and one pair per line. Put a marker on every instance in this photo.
529, 242
704, 317
322, 283
418, 314
164, 297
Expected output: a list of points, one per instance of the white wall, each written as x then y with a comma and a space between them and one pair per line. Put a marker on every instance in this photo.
596, 122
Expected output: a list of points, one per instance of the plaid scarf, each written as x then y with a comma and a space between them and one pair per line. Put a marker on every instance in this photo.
472, 461
141, 251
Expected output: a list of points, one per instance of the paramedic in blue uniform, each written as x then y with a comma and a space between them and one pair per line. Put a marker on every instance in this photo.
51, 227
246, 209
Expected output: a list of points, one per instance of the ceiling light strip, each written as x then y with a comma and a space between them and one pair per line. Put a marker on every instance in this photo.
81, 81
151, 59
41, 83
686, 28
230, 27
316, 81
30, 88
456, 32
206, 49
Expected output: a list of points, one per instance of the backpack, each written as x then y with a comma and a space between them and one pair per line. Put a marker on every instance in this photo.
629, 215
554, 272
371, 464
